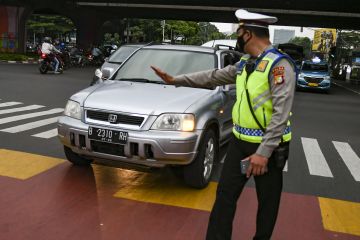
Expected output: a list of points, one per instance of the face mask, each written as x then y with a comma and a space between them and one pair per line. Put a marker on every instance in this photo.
240, 44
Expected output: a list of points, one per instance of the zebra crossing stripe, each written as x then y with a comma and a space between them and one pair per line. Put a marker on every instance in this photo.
286, 167
315, 159
352, 161
48, 134
29, 126
30, 115
20, 109
9, 104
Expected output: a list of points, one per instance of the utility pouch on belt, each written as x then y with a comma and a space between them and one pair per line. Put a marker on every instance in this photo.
281, 153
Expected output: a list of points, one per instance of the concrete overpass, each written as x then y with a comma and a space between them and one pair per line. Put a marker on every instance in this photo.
89, 15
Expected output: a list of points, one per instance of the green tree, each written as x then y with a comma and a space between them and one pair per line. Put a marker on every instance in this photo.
305, 42
51, 25
349, 39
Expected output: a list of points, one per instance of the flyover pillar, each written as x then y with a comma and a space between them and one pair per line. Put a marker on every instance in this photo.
88, 29
12, 28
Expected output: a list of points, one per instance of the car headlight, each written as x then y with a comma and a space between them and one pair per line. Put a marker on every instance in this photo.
72, 109
327, 78
175, 122
301, 75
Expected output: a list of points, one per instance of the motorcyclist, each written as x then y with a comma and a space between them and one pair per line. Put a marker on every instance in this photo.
49, 49
97, 54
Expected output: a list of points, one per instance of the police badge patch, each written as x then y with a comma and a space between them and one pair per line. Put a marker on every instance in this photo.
261, 67
278, 74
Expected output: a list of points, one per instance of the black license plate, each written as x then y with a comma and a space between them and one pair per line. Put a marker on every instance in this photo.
107, 135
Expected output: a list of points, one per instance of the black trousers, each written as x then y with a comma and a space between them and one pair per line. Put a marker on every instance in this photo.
231, 184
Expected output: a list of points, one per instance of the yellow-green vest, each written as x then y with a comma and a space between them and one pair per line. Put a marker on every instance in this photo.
245, 126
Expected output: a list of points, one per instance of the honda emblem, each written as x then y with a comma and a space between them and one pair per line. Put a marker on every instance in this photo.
112, 118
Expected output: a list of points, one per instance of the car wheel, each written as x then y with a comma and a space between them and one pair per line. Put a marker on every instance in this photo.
75, 158
198, 173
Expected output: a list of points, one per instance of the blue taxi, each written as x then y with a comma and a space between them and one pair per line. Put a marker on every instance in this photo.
314, 74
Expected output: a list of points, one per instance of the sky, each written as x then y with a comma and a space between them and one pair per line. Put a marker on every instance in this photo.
307, 32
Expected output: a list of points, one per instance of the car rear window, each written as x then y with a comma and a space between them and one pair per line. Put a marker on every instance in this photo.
314, 67
120, 55
174, 62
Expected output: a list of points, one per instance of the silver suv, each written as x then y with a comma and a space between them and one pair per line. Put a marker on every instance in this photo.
134, 118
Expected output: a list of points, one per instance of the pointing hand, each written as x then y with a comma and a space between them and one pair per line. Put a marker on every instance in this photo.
163, 75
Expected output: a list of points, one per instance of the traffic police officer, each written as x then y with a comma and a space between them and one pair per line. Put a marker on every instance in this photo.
265, 83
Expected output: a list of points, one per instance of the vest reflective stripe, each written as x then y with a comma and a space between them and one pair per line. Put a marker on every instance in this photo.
255, 132
245, 127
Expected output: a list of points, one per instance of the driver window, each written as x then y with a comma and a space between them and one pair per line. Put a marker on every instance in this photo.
229, 58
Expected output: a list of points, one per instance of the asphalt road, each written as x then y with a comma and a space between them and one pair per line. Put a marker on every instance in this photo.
324, 150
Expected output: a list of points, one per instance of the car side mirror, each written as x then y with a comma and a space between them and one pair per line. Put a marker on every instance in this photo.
106, 74
229, 87
98, 73
106, 59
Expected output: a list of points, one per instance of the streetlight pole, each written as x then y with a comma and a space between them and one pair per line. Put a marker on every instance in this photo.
163, 29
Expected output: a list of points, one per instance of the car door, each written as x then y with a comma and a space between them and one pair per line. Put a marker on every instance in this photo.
228, 95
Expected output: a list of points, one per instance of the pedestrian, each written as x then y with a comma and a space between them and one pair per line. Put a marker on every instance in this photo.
265, 82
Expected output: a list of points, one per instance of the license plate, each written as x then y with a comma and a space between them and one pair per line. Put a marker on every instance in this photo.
313, 84
107, 135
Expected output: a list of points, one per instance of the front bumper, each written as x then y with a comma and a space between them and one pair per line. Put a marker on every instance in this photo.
321, 86
154, 148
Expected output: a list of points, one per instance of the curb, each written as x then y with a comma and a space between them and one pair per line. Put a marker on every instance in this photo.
21, 62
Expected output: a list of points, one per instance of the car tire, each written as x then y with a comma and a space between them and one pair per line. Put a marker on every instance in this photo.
43, 68
75, 158
198, 173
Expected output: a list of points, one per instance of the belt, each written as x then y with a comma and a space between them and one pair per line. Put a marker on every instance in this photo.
255, 132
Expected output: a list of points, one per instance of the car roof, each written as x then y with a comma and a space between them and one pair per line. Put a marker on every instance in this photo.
182, 47
213, 43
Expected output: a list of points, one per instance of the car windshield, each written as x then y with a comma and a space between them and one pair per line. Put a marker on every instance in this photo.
174, 62
315, 67
120, 55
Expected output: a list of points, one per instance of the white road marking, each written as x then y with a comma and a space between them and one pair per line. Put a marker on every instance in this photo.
316, 161
9, 104
223, 159
48, 134
20, 109
28, 126
349, 89
286, 166
350, 158
30, 115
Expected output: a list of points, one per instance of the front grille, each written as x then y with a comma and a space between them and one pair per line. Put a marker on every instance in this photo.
108, 148
313, 79
121, 118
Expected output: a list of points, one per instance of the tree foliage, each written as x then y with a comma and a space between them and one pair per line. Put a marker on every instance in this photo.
52, 24
349, 39
305, 42
185, 32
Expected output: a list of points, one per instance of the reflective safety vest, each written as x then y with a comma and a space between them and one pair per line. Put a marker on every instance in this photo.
245, 126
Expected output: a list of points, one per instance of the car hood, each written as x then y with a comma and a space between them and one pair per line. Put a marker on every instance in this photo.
315, 73
143, 98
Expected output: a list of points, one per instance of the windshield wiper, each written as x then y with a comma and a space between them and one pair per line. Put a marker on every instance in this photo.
144, 80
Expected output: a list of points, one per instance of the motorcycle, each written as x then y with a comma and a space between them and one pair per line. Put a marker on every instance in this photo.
47, 63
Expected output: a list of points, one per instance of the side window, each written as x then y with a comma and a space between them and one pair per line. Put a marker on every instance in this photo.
229, 58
